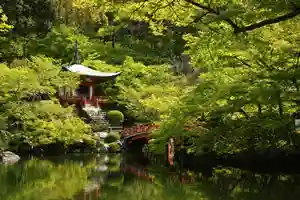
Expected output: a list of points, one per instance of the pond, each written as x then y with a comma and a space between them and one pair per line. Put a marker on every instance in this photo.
119, 177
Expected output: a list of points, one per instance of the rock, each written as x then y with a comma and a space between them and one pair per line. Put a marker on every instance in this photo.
102, 168
101, 135
106, 147
8, 157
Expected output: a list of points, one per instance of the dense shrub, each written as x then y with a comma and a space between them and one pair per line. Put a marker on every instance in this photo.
115, 117
99, 126
112, 137
26, 118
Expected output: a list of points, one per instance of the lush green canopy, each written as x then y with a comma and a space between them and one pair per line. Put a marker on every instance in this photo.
248, 49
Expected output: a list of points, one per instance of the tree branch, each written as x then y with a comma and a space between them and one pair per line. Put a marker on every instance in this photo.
253, 26
242, 61
211, 10
244, 113
275, 20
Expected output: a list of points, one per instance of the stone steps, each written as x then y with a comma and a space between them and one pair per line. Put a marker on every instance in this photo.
96, 114
116, 128
100, 116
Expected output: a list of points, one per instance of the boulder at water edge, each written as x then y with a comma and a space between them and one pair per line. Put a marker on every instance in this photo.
101, 135
8, 157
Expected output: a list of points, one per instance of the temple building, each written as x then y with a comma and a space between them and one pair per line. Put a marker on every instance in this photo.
86, 95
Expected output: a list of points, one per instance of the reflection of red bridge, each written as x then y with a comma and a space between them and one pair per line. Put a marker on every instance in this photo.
90, 192
183, 178
142, 173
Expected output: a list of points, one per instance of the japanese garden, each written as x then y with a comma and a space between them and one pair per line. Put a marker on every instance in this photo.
210, 89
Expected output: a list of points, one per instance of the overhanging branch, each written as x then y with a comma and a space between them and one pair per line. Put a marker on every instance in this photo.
275, 20
253, 26
209, 9
213, 11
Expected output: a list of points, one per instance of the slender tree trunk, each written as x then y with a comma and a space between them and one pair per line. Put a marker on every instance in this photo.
66, 13
113, 40
259, 109
280, 107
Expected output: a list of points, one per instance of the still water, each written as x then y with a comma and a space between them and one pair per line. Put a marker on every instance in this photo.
113, 177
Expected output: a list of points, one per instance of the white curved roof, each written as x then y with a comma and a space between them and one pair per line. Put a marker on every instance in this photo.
83, 70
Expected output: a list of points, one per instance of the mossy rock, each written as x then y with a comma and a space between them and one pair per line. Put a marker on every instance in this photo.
99, 126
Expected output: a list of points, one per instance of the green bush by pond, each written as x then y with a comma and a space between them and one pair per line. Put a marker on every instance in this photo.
115, 117
112, 137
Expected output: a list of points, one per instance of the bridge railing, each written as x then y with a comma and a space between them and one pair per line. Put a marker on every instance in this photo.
140, 128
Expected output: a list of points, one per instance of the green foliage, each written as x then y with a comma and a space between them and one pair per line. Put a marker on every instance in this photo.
139, 88
29, 118
246, 99
3, 146
112, 137
45, 123
59, 44
250, 51
29, 17
115, 116
99, 126
4, 27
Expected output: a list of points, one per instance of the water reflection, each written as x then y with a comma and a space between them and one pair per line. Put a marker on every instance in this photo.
107, 177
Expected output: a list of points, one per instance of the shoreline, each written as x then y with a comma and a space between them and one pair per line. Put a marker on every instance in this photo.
269, 160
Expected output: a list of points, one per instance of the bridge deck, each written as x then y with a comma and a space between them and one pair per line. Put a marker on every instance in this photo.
137, 130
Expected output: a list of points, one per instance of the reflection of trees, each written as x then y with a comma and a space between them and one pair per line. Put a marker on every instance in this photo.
64, 179
140, 189
58, 178
235, 184
41, 180
224, 184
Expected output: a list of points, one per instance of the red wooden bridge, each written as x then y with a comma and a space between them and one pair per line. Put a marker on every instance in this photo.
135, 139
138, 131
